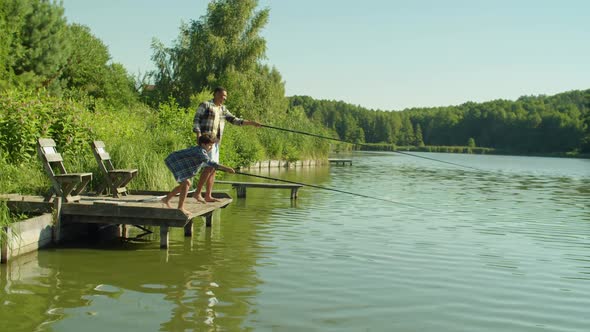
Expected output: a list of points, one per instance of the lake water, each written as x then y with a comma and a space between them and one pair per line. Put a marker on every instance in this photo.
505, 247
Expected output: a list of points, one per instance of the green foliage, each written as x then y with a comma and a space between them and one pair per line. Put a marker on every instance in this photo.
35, 44
223, 43
542, 124
5, 220
26, 116
89, 76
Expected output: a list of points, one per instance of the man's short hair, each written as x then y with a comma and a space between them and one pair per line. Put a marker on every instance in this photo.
219, 89
206, 139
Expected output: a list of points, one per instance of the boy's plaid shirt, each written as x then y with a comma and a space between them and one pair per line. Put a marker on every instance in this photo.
205, 118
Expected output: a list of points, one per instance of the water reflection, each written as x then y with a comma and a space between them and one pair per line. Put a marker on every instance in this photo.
506, 249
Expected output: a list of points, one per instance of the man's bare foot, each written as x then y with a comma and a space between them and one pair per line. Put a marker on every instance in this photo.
166, 202
187, 212
199, 198
211, 199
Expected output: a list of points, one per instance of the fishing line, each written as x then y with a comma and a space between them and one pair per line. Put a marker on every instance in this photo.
339, 140
336, 190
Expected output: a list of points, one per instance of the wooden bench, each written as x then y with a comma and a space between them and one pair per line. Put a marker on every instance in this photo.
63, 184
116, 180
241, 187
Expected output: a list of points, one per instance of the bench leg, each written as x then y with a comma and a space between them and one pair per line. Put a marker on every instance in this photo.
126, 179
82, 185
67, 190
102, 189
48, 195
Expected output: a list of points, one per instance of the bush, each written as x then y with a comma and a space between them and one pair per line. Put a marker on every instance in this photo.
25, 117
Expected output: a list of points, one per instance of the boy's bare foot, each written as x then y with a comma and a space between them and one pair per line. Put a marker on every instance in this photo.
211, 199
187, 212
199, 198
166, 202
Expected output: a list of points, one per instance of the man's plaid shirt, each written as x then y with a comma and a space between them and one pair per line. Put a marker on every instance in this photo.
205, 118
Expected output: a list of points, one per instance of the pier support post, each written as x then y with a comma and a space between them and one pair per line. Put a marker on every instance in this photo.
208, 218
123, 231
57, 203
6, 245
164, 237
188, 228
241, 191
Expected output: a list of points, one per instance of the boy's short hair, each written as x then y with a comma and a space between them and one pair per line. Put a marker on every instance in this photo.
206, 139
219, 89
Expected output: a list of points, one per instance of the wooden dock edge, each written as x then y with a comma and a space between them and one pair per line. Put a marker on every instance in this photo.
61, 221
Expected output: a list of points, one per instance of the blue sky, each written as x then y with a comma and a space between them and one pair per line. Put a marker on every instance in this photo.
383, 54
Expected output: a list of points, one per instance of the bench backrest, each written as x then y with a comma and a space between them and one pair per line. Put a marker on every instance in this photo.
102, 156
51, 159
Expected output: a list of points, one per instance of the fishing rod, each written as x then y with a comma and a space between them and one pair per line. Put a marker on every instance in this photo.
336, 190
342, 141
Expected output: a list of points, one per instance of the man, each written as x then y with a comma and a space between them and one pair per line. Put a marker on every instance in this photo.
210, 119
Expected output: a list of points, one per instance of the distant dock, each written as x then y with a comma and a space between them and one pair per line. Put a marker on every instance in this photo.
241, 187
343, 162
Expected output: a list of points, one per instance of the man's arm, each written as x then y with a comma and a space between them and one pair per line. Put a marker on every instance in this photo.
237, 121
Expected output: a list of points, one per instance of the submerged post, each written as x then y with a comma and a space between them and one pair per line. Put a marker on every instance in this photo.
5, 250
188, 228
164, 236
208, 218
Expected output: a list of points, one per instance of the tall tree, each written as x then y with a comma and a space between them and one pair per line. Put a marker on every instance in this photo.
88, 71
224, 41
40, 48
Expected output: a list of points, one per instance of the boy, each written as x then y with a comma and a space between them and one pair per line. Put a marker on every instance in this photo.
184, 164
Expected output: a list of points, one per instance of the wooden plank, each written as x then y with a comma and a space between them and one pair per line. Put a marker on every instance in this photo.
29, 207
98, 144
46, 142
123, 171
164, 193
112, 210
53, 157
262, 184
108, 220
140, 210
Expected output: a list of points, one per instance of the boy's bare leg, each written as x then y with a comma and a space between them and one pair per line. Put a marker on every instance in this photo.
184, 185
166, 200
202, 180
210, 182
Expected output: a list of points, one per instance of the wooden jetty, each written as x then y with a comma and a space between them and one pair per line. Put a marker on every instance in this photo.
140, 208
340, 161
241, 187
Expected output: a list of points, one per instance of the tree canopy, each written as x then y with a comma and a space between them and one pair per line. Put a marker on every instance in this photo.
531, 124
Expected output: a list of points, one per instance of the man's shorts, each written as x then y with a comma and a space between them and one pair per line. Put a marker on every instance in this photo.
214, 153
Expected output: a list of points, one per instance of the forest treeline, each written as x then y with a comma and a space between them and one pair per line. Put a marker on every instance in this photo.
531, 124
